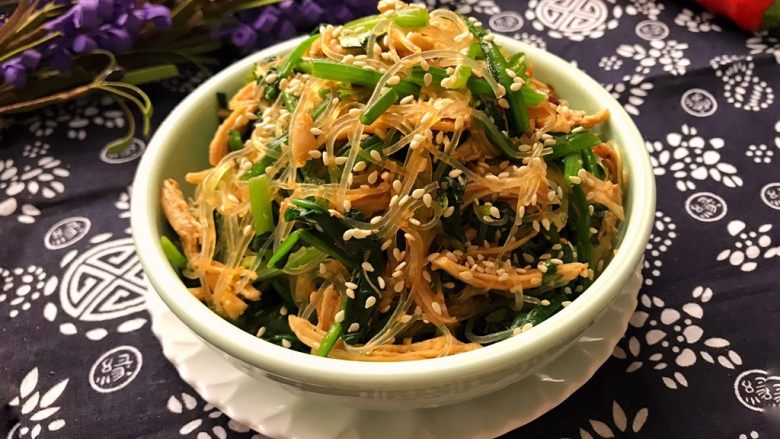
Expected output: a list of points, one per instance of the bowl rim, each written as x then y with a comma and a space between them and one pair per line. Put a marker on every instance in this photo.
327, 372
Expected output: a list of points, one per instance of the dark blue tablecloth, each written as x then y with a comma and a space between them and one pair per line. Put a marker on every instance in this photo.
701, 358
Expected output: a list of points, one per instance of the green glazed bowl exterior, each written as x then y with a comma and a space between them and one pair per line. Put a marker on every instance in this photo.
180, 145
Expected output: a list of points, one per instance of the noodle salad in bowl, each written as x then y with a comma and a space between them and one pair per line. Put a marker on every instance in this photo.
397, 188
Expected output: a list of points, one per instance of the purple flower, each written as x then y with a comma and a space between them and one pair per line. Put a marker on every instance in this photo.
14, 73
83, 44
159, 15
30, 58
244, 37
114, 39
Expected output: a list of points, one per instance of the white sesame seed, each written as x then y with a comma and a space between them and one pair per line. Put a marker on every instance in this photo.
427, 200
591, 209
316, 131
403, 200
503, 277
511, 73
353, 327
261, 331
406, 100
397, 185
527, 326
372, 177
350, 293
545, 302
566, 303
325, 158
466, 275
347, 205
448, 212
594, 231
556, 261
575, 180
381, 281
367, 266
489, 37
371, 301
455, 173
315, 154
427, 79
387, 244
494, 212
418, 193
393, 80
542, 268
516, 86
577, 129
375, 155
286, 343
503, 103
409, 237
271, 78
398, 287
376, 219
436, 307
283, 310
517, 331
414, 221
339, 316
405, 318
359, 166
340, 160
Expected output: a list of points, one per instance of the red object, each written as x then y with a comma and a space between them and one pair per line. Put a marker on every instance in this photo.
748, 14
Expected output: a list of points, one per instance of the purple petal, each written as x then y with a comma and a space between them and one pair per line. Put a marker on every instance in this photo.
338, 14
65, 23
14, 74
86, 14
267, 20
83, 44
287, 7
130, 22
244, 37
159, 15
114, 39
310, 13
30, 58
285, 30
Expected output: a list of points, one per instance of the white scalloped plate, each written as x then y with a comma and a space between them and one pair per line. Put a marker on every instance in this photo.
272, 411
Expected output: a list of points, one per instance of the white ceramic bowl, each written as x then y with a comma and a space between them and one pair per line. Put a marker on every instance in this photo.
180, 145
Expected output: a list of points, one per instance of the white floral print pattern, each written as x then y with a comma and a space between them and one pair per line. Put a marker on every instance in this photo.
631, 92
760, 153
701, 22
190, 407
123, 206
762, 42
611, 62
741, 87
23, 286
669, 55
662, 237
750, 246
651, 8
689, 157
37, 174
752, 435
37, 408
486, 7
531, 39
620, 424
669, 340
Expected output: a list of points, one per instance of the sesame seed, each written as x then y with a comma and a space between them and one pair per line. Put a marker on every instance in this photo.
427, 200
381, 281
400, 266
347, 205
591, 209
393, 80
316, 131
375, 155
354, 112
503, 277
339, 316
494, 212
448, 212
511, 73
436, 307
248, 230
466, 275
461, 36
261, 331
271, 78
359, 166
594, 231
403, 200
487, 219
406, 100
556, 261
427, 276
315, 154
340, 160
455, 173
376, 219
575, 180
414, 221
283, 310
409, 237
527, 326
393, 200
567, 290
397, 185
398, 287
367, 266
353, 327
371, 301
566, 303
427, 79
545, 302
350, 293
418, 193
489, 38
372, 177
577, 129
350, 285
405, 318
286, 343
517, 331
387, 244
542, 268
